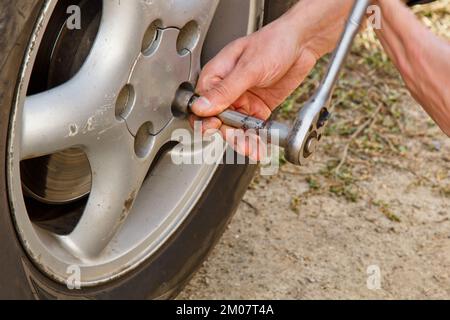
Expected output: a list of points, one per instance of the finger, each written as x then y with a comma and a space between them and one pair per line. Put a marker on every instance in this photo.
255, 146
211, 123
224, 80
245, 143
220, 66
251, 104
234, 138
224, 93
193, 119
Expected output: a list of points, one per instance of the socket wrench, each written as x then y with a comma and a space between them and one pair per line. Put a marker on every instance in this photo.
301, 140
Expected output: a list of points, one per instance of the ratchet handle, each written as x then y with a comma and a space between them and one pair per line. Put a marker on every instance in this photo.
276, 132
312, 118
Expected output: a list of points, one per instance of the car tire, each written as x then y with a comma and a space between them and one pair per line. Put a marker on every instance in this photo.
165, 272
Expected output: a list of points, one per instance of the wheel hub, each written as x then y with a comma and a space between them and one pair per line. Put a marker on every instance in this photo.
158, 72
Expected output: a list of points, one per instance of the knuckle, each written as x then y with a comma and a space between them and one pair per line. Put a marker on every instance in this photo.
221, 90
206, 82
239, 42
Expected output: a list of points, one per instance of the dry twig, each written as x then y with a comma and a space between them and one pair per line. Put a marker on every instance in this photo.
251, 206
355, 135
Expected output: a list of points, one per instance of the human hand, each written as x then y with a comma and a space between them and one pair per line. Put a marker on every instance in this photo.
255, 74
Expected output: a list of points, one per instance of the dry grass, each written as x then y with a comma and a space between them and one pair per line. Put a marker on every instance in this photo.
311, 232
369, 125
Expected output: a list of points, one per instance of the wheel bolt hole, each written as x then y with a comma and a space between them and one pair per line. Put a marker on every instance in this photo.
125, 102
188, 37
144, 140
181, 101
150, 37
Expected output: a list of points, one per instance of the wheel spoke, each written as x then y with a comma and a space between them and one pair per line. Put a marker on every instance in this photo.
117, 175
58, 119
75, 112
117, 44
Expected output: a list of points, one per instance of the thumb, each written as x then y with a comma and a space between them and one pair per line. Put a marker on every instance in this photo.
223, 93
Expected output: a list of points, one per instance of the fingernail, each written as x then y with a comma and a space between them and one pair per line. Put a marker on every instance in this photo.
202, 104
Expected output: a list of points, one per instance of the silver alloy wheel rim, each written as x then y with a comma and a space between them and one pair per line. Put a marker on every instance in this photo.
127, 217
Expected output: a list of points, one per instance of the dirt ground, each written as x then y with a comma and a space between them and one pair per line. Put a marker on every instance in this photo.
376, 196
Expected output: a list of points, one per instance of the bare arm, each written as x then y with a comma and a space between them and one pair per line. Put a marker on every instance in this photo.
422, 58
254, 74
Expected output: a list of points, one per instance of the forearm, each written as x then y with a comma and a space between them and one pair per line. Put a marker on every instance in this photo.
422, 58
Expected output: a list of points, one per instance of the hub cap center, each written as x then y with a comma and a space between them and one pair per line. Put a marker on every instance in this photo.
155, 78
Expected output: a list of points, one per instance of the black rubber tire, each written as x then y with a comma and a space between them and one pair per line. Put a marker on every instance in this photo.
166, 272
